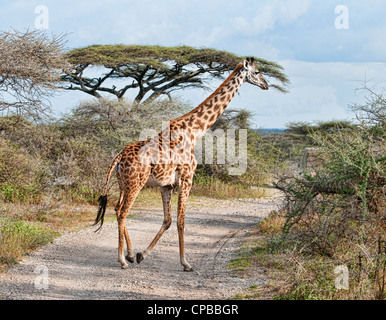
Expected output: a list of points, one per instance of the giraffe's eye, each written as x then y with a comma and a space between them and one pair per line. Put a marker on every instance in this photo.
257, 72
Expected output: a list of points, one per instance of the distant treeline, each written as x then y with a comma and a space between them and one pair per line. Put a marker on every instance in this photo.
266, 131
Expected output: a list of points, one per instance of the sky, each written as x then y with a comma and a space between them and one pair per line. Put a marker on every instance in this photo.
328, 49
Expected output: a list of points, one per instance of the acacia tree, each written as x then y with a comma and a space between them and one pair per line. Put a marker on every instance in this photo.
30, 68
153, 70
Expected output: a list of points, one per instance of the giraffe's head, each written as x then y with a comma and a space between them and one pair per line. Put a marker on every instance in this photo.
253, 75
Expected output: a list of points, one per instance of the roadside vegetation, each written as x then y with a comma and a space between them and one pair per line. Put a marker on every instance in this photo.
328, 241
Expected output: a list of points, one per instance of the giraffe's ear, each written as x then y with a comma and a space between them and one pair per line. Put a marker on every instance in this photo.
248, 62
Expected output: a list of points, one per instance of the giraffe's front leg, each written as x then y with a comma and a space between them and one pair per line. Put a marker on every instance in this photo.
185, 184
180, 228
166, 193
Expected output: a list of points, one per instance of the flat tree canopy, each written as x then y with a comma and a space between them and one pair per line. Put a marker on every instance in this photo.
154, 70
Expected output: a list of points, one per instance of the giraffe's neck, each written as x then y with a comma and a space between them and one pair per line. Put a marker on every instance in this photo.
200, 119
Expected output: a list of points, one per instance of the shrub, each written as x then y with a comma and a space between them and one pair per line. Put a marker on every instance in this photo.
21, 175
337, 209
18, 238
347, 188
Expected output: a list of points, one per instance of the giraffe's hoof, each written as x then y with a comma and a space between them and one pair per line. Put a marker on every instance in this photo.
124, 265
139, 257
189, 269
130, 259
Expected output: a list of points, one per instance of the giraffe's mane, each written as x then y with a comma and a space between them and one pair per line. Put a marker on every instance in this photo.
238, 67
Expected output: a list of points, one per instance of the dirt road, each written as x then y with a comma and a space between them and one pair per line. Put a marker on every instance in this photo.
83, 264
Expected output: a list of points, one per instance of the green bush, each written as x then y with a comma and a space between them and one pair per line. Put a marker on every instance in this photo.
18, 238
21, 175
346, 189
336, 211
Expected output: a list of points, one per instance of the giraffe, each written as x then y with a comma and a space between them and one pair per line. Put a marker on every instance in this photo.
167, 160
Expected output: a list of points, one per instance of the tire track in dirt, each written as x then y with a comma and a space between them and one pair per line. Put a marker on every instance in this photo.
83, 264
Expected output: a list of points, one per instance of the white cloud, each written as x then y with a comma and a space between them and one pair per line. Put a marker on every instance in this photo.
293, 9
269, 14
375, 46
264, 20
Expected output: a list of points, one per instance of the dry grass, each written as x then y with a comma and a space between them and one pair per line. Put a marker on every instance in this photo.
18, 238
215, 188
295, 274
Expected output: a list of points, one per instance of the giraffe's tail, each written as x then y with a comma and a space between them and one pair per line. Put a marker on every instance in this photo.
101, 212
103, 198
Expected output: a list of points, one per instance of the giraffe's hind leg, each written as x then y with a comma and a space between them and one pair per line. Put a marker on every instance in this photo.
127, 198
126, 205
118, 209
130, 253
